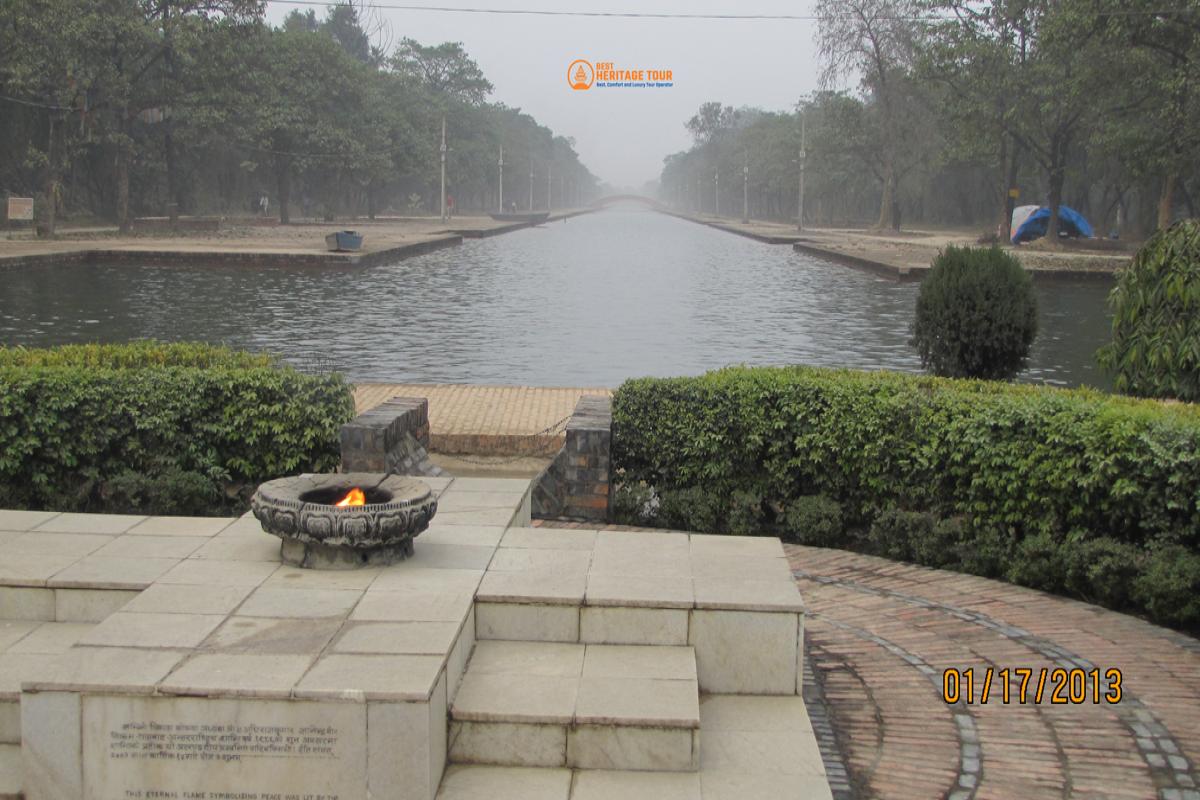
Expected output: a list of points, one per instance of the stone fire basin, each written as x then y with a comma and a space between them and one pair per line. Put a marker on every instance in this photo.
319, 535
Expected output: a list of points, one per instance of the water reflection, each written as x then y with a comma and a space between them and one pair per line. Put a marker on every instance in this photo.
588, 302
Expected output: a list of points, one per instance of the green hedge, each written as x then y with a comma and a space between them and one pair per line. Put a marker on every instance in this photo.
168, 429
982, 471
134, 355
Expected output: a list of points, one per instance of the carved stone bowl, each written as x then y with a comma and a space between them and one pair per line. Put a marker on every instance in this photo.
320, 535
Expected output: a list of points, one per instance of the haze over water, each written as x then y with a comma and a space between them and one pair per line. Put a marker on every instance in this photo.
588, 302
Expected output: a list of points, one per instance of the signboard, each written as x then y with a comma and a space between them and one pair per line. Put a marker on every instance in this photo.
19, 208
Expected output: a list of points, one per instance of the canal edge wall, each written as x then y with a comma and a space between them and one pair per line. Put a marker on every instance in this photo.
902, 273
119, 256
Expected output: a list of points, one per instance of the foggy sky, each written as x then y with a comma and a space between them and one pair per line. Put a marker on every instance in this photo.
622, 134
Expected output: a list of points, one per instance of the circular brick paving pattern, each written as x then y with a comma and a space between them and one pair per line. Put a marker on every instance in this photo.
879, 635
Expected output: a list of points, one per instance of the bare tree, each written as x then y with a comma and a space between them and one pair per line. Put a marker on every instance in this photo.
872, 39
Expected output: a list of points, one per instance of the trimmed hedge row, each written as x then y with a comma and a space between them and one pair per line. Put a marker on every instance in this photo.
1058, 489
164, 429
134, 355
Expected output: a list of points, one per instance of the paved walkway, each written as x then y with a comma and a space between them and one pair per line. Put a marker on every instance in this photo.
880, 634
485, 420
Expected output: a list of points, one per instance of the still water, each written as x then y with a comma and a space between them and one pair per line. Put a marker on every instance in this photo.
589, 302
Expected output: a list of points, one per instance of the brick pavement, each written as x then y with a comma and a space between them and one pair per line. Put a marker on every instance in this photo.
880, 634
485, 420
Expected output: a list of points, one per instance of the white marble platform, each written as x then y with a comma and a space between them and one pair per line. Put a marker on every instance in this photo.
180, 652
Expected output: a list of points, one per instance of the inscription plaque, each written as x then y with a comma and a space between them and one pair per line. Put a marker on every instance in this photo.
19, 208
138, 748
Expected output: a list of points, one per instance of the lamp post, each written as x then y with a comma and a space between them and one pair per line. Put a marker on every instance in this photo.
500, 164
745, 187
443, 153
716, 193
800, 196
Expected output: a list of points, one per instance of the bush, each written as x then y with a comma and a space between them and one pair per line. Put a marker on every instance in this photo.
189, 429
995, 479
982, 550
976, 315
895, 533
1155, 351
1038, 563
1169, 586
814, 520
1102, 570
135, 355
690, 509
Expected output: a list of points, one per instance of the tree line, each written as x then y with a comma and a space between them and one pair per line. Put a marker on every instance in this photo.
121, 108
965, 108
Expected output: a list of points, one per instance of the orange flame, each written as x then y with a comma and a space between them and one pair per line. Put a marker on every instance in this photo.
354, 497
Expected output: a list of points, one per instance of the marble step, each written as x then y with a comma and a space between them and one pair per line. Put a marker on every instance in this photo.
10, 771
603, 707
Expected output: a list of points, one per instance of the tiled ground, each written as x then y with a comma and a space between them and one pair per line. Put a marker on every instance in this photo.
880, 634
494, 420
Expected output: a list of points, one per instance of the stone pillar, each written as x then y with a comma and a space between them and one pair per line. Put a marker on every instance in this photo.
391, 437
577, 484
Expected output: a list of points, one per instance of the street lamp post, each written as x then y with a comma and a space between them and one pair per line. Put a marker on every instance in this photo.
800, 196
500, 163
443, 152
745, 187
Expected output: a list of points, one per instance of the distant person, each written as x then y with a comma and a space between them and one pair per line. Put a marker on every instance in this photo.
449, 205
264, 205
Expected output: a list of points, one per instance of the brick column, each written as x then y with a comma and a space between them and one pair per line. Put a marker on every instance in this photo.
393, 436
577, 484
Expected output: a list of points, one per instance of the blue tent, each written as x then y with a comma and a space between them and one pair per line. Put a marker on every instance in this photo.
1070, 222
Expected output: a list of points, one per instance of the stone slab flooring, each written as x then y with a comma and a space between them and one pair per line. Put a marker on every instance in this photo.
495, 420
880, 634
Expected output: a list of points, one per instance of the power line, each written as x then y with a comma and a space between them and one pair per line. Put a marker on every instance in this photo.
552, 13
675, 15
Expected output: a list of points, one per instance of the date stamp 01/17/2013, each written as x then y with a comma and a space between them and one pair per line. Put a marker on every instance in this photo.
1057, 686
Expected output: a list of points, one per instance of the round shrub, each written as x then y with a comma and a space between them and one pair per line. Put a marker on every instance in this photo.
1038, 563
1169, 586
984, 550
690, 509
976, 315
895, 533
814, 520
1102, 570
1155, 351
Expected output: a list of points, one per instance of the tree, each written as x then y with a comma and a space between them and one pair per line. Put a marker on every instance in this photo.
874, 39
445, 70
1155, 351
45, 62
1157, 132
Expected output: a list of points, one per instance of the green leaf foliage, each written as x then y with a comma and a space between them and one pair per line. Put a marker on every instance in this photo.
1155, 351
1064, 490
184, 429
976, 315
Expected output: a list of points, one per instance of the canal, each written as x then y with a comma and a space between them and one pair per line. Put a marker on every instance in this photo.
591, 301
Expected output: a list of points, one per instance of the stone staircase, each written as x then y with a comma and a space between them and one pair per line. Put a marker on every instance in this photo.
651, 666
540, 704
